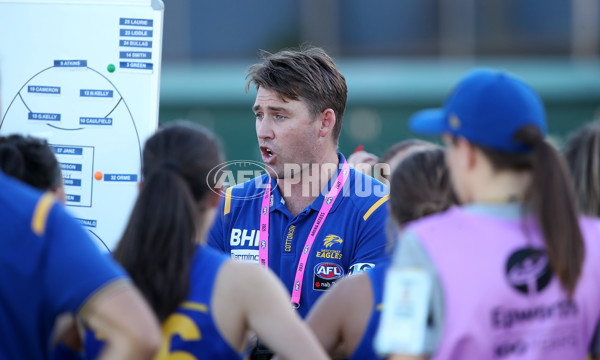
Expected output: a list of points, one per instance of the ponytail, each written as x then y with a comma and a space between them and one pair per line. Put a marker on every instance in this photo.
551, 197
158, 243
160, 240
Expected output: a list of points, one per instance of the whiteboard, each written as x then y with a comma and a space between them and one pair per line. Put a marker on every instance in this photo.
85, 75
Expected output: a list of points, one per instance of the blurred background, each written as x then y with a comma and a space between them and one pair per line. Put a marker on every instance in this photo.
398, 56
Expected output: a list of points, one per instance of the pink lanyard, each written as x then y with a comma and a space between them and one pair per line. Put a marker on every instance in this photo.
263, 252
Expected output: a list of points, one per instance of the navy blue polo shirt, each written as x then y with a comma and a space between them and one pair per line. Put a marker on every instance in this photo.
351, 239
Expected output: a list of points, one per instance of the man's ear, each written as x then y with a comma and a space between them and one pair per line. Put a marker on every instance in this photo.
328, 121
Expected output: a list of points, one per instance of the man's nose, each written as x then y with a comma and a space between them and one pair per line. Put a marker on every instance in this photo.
264, 129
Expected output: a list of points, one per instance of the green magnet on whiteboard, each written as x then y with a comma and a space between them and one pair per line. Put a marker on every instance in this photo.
110, 68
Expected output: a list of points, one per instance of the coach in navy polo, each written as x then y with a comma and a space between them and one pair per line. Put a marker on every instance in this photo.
311, 219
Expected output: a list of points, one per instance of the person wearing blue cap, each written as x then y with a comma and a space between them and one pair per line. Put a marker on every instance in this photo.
515, 267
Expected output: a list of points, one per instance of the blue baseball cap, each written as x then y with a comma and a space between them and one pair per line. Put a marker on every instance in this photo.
487, 108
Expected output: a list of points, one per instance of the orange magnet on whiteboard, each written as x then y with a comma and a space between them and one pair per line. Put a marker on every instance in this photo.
98, 175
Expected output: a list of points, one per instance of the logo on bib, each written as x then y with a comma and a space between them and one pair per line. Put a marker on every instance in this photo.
528, 270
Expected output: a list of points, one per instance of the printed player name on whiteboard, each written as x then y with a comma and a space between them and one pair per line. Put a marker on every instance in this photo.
136, 43
35, 89
96, 93
95, 121
43, 116
70, 63
120, 177
136, 22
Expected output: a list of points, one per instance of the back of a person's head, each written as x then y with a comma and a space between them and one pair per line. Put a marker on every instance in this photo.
396, 153
582, 152
170, 216
30, 160
403, 146
307, 74
185, 149
499, 114
420, 186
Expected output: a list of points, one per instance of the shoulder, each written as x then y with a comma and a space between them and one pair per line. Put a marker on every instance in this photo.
350, 293
244, 194
356, 286
244, 275
367, 195
205, 256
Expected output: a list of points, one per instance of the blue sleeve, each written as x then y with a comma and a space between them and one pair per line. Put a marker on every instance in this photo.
216, 235
75, 268
370, 242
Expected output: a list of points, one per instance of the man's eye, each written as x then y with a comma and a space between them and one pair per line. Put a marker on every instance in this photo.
279, 117
259, 116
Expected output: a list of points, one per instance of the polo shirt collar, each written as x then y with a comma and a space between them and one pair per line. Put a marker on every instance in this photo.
278, 203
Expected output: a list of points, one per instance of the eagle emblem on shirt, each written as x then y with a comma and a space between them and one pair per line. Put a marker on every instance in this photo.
332, 239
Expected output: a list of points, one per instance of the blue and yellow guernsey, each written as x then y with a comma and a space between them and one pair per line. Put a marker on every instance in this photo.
190, 332
351, 239
48, 266
364, 350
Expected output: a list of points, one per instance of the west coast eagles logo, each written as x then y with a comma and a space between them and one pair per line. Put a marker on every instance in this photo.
331, 239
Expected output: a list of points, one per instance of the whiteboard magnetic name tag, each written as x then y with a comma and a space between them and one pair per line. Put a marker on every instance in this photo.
403, 325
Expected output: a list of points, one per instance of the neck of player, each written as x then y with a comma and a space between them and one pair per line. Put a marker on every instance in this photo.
301, 190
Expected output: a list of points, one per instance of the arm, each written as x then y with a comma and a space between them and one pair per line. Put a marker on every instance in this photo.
339, 333
80, 279
260, 300
122, 316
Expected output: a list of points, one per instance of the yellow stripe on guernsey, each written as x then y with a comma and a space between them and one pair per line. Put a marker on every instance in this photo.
41, 212
375, 206
195, 306
227, 207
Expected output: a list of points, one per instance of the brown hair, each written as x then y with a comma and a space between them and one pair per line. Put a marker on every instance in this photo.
307, 74
551, 198
159, 241
583, 157
420, 186
30, 160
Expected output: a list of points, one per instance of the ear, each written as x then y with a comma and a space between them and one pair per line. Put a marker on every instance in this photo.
328, 121
59, 192
469, 153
